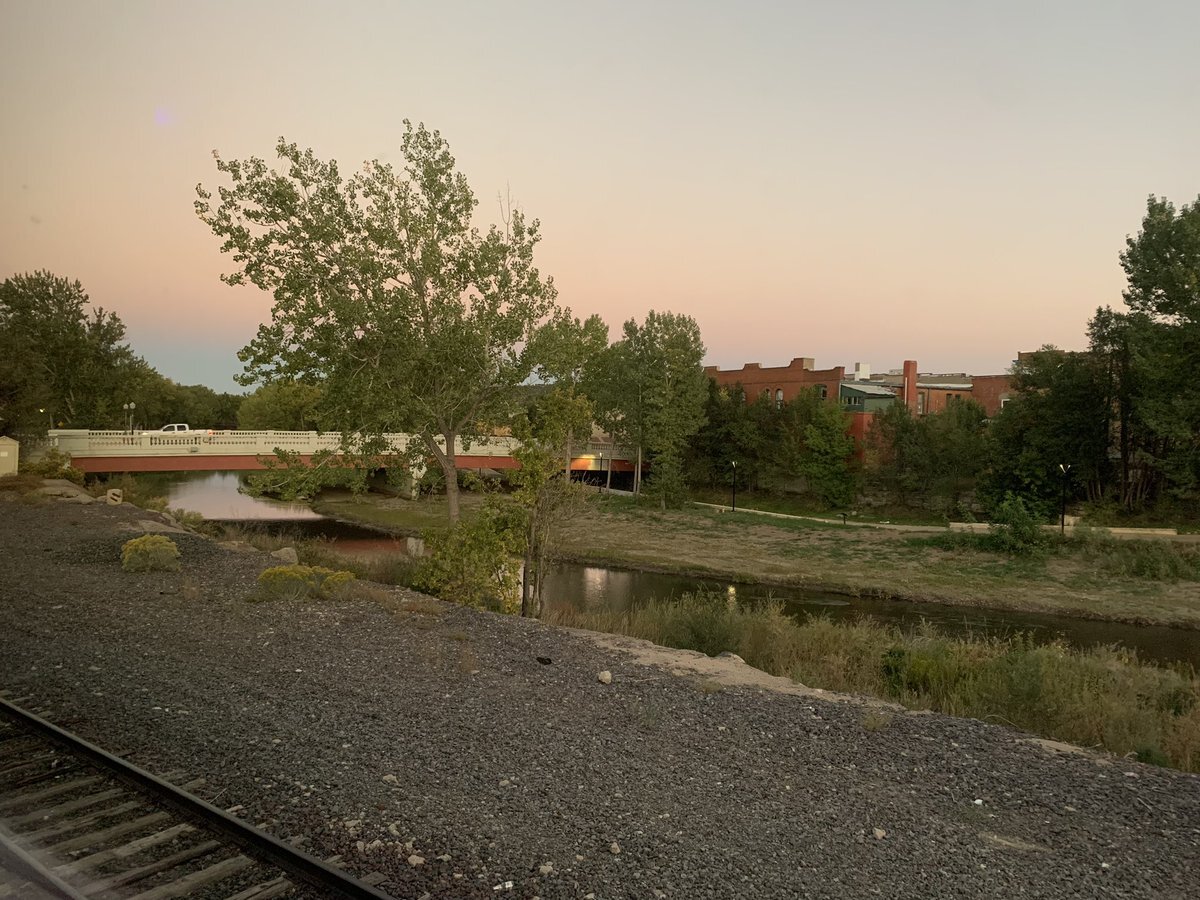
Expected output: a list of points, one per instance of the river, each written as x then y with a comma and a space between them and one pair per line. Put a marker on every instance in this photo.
215, 495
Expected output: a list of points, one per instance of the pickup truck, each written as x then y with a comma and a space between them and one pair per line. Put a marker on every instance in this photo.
178, 426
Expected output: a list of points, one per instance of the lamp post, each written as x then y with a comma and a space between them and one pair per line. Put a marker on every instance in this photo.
600, 480
50, 417
1062, 522
129, 408
733, 504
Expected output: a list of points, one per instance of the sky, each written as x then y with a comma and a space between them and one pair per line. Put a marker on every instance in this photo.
950, 182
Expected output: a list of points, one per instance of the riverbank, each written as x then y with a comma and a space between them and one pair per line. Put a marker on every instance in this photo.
486, 745
858, 561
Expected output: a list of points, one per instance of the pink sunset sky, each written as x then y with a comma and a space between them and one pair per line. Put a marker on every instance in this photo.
870, 181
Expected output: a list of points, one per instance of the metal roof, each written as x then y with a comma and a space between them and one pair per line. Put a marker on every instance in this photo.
867, 387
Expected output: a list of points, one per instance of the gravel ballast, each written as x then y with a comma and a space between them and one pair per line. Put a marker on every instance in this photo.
429, 743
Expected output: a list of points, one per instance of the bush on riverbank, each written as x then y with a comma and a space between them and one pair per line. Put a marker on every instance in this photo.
53, 464
150, 553
1103, 697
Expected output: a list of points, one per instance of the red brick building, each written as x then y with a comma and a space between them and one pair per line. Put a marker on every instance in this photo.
922, 393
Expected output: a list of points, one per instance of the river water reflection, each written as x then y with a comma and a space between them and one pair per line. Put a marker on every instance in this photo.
215, 496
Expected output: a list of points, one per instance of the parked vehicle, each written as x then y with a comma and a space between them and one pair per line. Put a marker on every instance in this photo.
178, 426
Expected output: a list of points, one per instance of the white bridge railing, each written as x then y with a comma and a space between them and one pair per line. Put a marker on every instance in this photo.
82, 444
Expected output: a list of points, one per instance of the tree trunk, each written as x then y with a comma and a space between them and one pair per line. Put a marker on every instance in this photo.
637, 474
449, 469
527, 580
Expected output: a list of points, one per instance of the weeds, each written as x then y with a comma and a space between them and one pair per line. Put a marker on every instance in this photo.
1099, 697
876, 720
304, 583
22, 483
1153, 560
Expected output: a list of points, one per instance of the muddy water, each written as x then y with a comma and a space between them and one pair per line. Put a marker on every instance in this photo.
215, 496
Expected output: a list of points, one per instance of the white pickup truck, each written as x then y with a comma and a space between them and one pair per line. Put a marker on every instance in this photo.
180, 428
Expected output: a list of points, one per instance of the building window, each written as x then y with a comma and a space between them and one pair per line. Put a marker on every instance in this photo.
779, 398
822, 391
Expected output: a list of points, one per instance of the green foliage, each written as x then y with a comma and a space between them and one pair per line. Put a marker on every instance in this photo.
930, 461
284, 405
288, 477
150, 553
385, 294
545, 497
774, 444
902, 457
1061, 417
300, 582
1017, 528
1119, 414
65, 363
649, 390
1097, 697
475, 562
60, 359
53, 464
1152, 560
825, 462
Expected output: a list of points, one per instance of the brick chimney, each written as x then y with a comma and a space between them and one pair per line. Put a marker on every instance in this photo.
910, 385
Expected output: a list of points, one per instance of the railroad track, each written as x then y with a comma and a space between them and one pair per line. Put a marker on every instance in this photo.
79, 822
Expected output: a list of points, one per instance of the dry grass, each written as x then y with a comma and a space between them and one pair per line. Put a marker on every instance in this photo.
1101, 697
876, 720
21, 483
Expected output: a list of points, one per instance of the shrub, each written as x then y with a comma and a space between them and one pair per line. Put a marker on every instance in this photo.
150, 553
473, 563
53, 464
1016, 528
298, 582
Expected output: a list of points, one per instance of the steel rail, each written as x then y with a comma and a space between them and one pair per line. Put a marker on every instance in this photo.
14, 858
264, 847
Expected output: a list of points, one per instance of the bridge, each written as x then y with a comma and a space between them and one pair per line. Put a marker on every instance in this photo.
200, 451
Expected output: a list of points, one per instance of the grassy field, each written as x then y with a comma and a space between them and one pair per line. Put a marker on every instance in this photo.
1093, 583
797, 505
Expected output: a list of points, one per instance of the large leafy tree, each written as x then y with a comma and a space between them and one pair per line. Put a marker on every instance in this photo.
412, 319
649, 390
1154, 348
1060, 417
282, 406
60, 358
825, 460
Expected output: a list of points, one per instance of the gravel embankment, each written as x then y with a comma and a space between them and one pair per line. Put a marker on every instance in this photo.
437, 732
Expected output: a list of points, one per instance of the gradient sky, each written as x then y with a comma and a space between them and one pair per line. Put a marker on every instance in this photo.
865, 181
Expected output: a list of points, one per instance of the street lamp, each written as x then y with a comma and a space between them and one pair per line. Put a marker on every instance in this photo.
733, 505
600, 479
50, 417
129, 408
1062, 525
